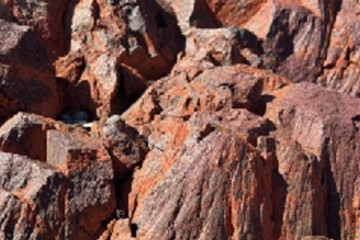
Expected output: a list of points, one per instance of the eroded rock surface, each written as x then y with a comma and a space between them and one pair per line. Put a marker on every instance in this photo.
169, 119
318, 139
45, 17
89, 195
27, 78
31, 198
122, 45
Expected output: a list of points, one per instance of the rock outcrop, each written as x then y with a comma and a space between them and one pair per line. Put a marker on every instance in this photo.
318, 141
169, 119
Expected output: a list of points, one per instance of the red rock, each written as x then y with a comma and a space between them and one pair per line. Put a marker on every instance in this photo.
45, 17
119, 229
27, 79
126, 46
25, 134
223, 46
341, 69
317, 151
194, 126
127, 148
222, 142
30, 199
303, 40
222, 87
89, 192
315, 238
200, 196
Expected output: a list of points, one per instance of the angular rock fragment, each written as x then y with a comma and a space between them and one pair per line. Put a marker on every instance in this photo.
89, 191
127, 148
25, 134
214, 183
341, 67
44, 16
27, 80
118, 229
224, 46
130, 42
189, 124
31, 198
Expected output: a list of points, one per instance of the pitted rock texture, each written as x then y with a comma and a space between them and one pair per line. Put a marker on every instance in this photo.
179, 119
45, 17
31, 198
27, 77
89, 190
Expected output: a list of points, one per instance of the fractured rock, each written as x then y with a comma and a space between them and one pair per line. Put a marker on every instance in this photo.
126, 47
31, 198
318, 142
27, 80
128, 149
25, 134
45, 17
89, 192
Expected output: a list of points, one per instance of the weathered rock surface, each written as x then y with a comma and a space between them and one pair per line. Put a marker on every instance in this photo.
317, 152
89, 191
191, 138
45, 17
27, 78
127, 148
169, 119
30, 199
302, 40
121, 45
118, 229
25, 134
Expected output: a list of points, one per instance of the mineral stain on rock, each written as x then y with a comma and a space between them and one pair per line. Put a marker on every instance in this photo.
179, 119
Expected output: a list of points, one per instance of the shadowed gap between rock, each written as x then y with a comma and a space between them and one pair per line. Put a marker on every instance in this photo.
333, 197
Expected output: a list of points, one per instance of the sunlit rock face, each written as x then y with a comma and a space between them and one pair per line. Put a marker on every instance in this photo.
169, 119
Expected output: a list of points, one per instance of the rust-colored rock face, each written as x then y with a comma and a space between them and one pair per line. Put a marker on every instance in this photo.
179, 119
89, 190
115, 47
27, 78
30, 198
45, 17
319, 137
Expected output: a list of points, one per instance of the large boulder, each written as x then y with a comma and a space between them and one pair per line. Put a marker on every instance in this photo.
25, 134
31, 199
27, 77
89, 193
317, 151
45, 17
202, 138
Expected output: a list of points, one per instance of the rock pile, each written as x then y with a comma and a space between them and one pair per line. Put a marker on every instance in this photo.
169, 119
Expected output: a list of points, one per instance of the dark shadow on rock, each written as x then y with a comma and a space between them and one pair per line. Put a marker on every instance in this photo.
122, 191
76, 97
265, 99
203, 17
67, 20
333, 197
279, 193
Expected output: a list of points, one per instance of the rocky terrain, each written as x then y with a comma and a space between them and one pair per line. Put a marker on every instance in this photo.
180, 119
